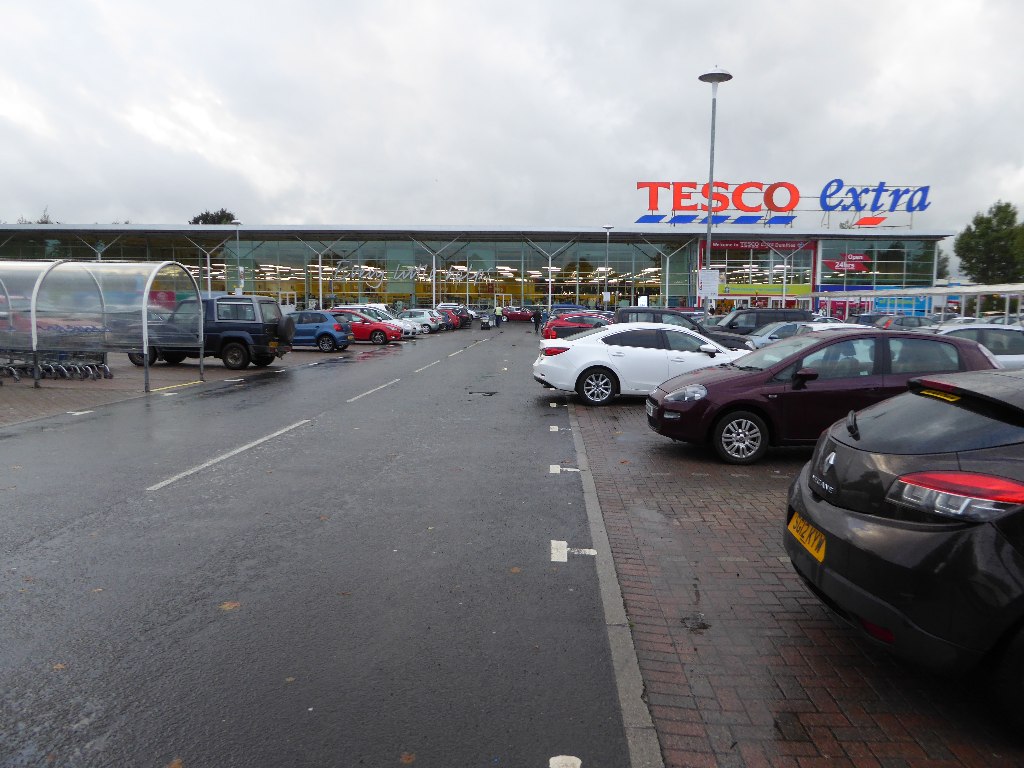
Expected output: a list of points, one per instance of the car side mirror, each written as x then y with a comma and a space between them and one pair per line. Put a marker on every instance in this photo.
801, 377
708, 350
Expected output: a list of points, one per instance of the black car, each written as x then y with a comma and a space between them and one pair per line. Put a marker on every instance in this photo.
908, 521
745, 319
678, 317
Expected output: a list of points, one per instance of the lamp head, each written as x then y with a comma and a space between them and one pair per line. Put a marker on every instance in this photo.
715, 76
236, 222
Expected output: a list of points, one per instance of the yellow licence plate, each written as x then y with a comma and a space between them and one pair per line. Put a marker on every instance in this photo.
272, 344
812, 539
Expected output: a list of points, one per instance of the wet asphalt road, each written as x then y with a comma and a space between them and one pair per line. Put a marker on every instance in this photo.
372, 585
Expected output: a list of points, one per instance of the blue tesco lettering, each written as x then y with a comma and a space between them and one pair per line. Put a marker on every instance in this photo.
836, 196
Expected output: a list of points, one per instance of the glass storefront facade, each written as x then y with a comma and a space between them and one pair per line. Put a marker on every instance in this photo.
417, 267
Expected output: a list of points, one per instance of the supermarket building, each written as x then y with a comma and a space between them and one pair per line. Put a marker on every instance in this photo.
758, 257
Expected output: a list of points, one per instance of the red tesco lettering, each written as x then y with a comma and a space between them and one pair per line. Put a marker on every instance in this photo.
748, 197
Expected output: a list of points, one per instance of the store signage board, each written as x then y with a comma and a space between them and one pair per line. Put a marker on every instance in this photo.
757, 202
849, 262
707, 283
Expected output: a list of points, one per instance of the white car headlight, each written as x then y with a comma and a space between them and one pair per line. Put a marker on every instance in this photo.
688, 393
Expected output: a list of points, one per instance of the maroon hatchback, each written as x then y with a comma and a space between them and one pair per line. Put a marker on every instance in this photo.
788, 392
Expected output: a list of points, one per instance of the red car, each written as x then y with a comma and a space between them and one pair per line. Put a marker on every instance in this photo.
366, 328
573, 322
453, 318
517, 313
791, 390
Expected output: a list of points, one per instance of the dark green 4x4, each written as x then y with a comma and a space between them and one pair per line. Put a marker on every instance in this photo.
237, 329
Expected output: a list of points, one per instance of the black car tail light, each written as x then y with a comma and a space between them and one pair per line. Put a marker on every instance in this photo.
552, 351
883, 634
966, 496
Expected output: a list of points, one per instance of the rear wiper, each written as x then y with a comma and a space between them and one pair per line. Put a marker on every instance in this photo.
851, 425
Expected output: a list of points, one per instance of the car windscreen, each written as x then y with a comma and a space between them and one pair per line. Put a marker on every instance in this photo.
271, 311
929, 422
774, 353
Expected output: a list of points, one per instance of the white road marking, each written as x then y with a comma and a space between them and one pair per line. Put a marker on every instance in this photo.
553, 405
78, 413
457, 352
370, 392
426, 366
565, 761
554, 469
225, 456
552, 428
232, 381
560, 551
168, 394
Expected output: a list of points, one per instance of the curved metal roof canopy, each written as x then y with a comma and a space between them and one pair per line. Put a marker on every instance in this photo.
94, 306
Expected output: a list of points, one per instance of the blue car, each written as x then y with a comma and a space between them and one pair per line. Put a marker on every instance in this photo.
320, 329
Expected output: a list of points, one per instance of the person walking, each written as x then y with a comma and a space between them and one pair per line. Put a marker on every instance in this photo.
497, 317
536, 320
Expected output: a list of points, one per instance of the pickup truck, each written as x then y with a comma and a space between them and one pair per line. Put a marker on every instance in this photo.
237, 329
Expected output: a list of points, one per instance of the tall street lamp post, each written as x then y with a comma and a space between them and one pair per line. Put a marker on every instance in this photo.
238, 255
607, 247
714, 77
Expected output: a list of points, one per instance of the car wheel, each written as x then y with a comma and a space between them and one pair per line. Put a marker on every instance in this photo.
235, 356
741, 437
137, 359
597, 386
326, 343
379, 337
174, 358
425, 328
262, 361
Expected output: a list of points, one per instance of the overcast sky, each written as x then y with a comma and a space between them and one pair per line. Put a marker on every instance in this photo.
534, 113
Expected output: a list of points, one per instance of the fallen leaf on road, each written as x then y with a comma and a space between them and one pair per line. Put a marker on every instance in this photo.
230, 605
515, 569
408, 758
176, 763
59, 666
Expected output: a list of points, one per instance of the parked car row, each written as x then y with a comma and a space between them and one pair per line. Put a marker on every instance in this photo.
334, 329
908, 520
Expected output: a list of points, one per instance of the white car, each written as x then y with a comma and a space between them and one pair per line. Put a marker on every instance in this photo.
625, 359
1005, 342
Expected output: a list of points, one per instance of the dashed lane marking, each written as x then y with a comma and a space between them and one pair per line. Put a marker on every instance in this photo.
371, 391
225, 456
426, 366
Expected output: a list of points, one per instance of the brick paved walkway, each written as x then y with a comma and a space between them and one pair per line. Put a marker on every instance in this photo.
742, 666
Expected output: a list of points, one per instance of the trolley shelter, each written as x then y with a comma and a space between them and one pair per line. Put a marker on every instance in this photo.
61, 318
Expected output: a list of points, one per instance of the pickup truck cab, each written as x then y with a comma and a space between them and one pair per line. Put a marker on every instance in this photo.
237, 329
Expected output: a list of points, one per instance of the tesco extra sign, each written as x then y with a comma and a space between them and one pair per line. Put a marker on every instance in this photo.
753, 202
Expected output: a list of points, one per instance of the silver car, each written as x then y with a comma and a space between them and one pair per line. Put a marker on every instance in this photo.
427, 320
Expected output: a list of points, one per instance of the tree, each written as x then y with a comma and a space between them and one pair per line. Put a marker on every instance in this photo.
991, 248
942, 268
223, 216
44, 219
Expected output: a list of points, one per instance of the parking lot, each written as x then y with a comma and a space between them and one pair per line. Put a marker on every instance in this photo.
742, 667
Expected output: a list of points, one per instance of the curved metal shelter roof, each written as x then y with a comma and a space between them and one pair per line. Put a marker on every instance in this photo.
94, 307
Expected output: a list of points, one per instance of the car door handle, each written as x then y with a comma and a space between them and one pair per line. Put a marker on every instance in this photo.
617, 354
